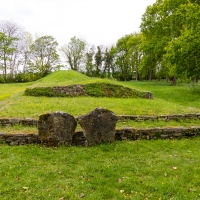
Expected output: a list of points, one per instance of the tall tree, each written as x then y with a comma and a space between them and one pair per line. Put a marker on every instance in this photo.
99, 57
26, 42
134, 52
127, 56
90, 71
182, 54
6, 50
109, 69
13, 30
162, 24
44, 56
74, 53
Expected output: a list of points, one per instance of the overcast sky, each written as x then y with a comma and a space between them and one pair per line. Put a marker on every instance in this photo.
97, 21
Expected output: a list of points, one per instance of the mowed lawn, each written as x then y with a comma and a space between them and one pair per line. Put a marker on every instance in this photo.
167, 99
157, 169
160, 169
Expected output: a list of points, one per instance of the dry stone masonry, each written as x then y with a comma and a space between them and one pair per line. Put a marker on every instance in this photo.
79, 139
55, 129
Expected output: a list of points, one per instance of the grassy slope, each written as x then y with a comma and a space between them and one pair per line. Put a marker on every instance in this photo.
66, 77
167, 99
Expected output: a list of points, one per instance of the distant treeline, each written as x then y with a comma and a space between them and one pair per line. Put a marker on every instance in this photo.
167, 46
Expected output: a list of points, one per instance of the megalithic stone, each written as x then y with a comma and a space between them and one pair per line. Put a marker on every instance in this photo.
98, 126
55, 129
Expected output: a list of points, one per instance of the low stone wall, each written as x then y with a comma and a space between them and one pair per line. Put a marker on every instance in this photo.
156, 133
15, 121
160, 117
33, 122
71, 90
19, 139
79, 139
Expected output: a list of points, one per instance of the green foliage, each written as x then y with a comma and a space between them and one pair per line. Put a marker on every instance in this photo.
7, 48
94, 89
39, 91
111, 90
171, 39
2, 80
74, 53
44, 56
27, 77
127, 56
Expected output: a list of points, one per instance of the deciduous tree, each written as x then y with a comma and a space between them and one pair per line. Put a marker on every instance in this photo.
74, 53
44, 56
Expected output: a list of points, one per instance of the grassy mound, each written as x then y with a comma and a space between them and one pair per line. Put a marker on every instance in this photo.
66, 77
91, 89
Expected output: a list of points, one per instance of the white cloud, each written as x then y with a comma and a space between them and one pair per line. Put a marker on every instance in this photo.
99, 22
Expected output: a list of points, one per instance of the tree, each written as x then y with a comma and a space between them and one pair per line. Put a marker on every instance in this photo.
74, 53
13, 32
182, 54
6, 50
109, 69
26, 43
43, 55
99, 58
127, 56
164, 23
134, 52
90, 71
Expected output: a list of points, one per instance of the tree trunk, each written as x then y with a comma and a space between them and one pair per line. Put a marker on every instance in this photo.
150, 75
174, 80
167, 78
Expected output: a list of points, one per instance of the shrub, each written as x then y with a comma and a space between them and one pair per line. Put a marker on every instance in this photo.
2, 80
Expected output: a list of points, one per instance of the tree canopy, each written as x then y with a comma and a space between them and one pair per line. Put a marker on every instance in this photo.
170, 37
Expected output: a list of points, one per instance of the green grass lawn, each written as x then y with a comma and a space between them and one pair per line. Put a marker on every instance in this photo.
161, 169
141, 170
167, 99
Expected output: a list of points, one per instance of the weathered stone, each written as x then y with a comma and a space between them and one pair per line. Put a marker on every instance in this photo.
98, 126
55, 129
14, 121
79, 139
148, 95
14, 143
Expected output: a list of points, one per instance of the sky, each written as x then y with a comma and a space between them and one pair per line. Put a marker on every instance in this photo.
99, 22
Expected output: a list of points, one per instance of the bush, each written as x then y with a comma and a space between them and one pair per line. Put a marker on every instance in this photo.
2, 80
27, 77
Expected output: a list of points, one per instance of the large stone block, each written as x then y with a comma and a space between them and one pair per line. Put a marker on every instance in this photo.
98, 126
55, 129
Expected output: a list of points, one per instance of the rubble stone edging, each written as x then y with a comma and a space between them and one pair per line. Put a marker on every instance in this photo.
79, 139
33, 122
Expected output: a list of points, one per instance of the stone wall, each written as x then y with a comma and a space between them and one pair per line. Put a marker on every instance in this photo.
79, 139
161, 117
19, 139
15, 121
33, 122
56, 129
71, 90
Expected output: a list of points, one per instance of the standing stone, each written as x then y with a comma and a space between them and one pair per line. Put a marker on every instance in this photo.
98, 126
55, 129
